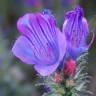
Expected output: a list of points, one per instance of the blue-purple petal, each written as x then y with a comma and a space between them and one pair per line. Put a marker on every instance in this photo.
76, 30
40, 29
47, 70
74, 52
23, 50
41, 42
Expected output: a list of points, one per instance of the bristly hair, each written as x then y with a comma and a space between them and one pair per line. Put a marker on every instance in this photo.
72, 86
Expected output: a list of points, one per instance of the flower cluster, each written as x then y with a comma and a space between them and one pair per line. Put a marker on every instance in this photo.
42, 43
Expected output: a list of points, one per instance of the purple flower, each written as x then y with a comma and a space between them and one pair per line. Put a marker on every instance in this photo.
76, 30
41, 43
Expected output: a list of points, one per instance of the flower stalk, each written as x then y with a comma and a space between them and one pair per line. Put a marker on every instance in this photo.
71, 86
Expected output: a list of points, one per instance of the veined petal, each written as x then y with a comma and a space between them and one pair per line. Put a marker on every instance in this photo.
62, 44
47, 70
76, 30
41, 42
40, 29
75, 27
23, 50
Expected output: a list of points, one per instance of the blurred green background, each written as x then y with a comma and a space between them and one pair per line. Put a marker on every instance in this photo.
18, 79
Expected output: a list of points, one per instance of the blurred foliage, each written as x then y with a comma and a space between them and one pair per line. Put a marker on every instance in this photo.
16, 78
12, 78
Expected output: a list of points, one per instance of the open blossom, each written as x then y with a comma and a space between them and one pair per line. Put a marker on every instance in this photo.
41, 43
76, 30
